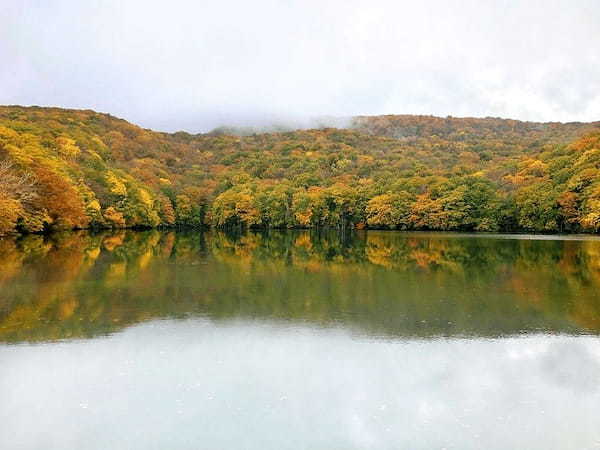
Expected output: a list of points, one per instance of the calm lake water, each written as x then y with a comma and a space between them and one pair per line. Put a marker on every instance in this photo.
299, 340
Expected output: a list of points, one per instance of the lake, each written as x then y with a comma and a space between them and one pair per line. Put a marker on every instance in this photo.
299, 340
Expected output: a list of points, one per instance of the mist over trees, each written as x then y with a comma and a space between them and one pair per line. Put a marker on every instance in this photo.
66, 169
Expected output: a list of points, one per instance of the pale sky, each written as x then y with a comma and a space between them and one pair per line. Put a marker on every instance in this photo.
195, 65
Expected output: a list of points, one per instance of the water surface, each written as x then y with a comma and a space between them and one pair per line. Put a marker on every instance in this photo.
296, 340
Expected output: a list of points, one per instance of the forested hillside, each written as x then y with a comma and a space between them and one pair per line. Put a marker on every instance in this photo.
62, 169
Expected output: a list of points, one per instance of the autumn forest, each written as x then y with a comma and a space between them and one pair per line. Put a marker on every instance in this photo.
74, 169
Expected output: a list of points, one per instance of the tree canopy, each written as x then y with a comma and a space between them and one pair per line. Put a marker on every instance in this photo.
64, 169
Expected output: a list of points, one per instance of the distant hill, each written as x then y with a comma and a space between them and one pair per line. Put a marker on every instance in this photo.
62, 169
454, 128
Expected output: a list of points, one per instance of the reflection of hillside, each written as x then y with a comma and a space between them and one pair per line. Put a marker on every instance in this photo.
81, 284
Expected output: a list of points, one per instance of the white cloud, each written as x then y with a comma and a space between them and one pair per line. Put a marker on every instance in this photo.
195, 65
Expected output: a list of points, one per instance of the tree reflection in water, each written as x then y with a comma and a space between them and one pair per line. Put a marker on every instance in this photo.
78, 285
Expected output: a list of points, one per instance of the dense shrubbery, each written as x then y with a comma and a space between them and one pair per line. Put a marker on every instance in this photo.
62, 169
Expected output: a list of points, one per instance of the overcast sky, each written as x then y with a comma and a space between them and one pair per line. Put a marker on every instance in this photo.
194, 65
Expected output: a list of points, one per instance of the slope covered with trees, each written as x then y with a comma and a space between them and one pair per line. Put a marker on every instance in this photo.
62, 169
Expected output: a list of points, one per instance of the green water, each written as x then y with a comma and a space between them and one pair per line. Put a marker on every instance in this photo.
299, 340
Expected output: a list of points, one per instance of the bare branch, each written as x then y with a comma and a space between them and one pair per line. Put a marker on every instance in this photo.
15, 184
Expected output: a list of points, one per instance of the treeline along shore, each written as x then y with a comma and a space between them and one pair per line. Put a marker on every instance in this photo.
75, 169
